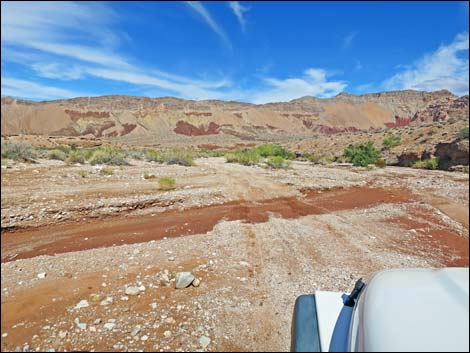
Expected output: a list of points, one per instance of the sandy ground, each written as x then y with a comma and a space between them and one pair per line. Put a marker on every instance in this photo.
256, 238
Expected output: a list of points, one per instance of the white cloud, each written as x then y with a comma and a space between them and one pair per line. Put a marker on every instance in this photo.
58, 71
348, 40
239, 11
32, 90
49, 39
206, 16
314, 82
446, 68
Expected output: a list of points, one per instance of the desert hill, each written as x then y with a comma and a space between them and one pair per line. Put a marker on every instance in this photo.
169, 119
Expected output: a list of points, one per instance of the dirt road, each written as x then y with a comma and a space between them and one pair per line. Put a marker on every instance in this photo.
257, 238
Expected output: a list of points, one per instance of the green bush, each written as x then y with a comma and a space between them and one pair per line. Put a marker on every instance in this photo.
268, 150
108, 155
245, 157
18, 151
452, 121
166, 183
432, 163
391, 141
75, 157
277, 162
361, 154
463, 133
57, 154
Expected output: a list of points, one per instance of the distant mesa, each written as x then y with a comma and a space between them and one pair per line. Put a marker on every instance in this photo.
169, 118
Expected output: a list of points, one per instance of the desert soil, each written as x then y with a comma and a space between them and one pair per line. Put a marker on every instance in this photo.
256, 238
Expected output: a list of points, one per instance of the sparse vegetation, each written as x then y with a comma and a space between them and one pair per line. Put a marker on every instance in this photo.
432, 163
148, 176
381, 163
463, 133
391, 141
108, 155
107, 170
245, 157
57, 154
75, 157
82, 173
269, 150
183, 157
362, 154
18, 151
166, 183
452, 121
277, 162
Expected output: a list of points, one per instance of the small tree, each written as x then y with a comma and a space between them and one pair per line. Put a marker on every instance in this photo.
362, 154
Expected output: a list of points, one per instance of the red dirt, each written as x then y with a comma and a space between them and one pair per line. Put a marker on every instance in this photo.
49, 240
75, 115
187, 129
433, 236
127, 128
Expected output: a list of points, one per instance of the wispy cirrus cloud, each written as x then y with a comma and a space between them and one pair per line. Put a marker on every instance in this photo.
239, 11
72, 41
206, 16
446, 68
348, 40
314, 82
24, 88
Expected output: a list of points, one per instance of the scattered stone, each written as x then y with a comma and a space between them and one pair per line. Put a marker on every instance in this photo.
97, 321
183, 279
142, 288
132, 291
170, 320
82, 304
144, 338
171, 258
109, 326
136, 330
196, 282
5, 334
167, 334
154, 306
204, 341
80, 325
107, 301
95, 298
62, 334
42, 275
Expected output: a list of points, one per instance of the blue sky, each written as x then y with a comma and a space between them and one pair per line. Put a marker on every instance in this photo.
248, 51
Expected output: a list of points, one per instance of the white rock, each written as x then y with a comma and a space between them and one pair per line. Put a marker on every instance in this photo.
109, 326
4, 334
183, 279
204, 341
42, 275
142, 288
132, 290
196, 282
136, 330
167, 334
144, 338
82, 304
107, 301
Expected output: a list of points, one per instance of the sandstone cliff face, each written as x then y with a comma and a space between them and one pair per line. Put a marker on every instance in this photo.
163, 118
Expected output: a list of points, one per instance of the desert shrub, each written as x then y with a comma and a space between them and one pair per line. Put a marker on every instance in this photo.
57, 154
166, 183
268, 150
18, 151
204, 153
277, 162
381, 163
245, 157
107, 171
432, 163
108, 155
361, 154
171, 156
82, 173
463, 133
148, 175
180, 157
75, 157
136, 154
452, 121
391, 141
